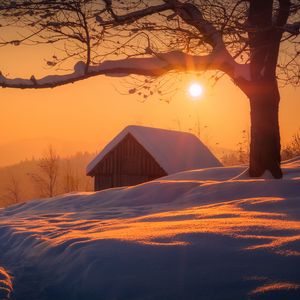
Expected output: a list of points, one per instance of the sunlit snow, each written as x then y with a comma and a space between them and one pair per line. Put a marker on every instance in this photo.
202, 234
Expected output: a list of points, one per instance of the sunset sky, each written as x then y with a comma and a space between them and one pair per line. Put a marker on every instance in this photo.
106, 175
88, 114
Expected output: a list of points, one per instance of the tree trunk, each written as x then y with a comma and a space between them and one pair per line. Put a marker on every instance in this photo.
265, 135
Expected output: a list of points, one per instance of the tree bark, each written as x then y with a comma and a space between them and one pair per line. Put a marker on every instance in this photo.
264, 41
265, 135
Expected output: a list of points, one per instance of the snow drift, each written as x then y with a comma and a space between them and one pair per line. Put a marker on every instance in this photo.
203, 234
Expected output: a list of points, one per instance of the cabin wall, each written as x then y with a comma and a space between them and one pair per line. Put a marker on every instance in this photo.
127, 164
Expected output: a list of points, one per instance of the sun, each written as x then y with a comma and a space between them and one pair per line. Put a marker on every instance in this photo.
195, 90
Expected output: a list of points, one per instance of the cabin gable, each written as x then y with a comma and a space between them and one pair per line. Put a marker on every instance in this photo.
128, 163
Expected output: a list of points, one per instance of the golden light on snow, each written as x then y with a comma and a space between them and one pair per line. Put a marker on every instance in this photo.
168, 228
195, 90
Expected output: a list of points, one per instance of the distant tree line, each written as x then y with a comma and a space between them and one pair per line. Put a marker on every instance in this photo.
46, 177
53, 175
241, 154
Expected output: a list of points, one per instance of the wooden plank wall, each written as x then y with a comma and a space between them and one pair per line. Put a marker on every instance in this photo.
127, 164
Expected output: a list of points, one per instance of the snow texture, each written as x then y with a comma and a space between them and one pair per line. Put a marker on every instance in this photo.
193, 235
174, 151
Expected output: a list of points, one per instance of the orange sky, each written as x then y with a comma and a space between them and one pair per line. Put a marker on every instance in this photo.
91, 112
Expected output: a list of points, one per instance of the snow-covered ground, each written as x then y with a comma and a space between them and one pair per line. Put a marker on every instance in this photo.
204, 234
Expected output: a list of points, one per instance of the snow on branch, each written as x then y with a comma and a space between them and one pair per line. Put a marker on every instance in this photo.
148, 66
155, 65
133, 16
293, 28
187, 11
194, 17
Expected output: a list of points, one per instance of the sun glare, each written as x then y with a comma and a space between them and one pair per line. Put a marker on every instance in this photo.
195, 90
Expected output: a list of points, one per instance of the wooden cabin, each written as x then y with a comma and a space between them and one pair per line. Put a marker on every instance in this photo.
139, 154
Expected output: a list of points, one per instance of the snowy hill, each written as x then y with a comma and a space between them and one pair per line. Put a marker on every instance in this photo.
204, 234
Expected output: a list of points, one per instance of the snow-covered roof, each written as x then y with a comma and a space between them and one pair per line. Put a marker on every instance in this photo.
174, 151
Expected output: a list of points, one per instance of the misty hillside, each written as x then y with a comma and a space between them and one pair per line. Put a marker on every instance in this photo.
14, 152
72, 166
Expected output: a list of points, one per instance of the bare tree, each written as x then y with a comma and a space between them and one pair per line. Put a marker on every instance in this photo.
244, 148
292, 149
46, 179
88, 184
70, 178
254, 42
295, 143
13, 189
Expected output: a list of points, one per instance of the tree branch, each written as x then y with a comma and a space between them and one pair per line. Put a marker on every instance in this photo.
148, 66
193, 16
293, 28
134, 16
283, 13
